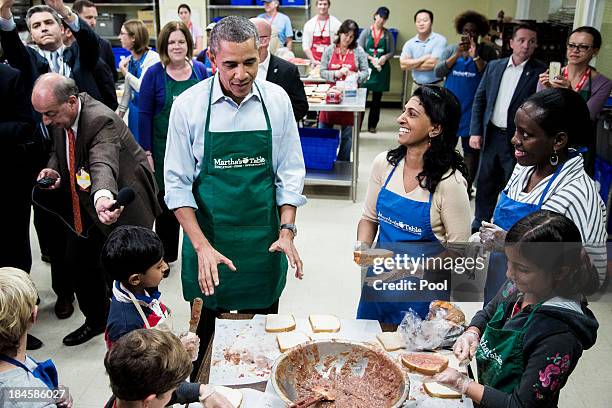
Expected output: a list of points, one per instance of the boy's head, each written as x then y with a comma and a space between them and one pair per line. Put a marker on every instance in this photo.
134, 256
147, 365
17, 308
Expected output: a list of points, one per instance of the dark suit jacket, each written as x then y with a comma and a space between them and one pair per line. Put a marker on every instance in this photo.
106, 55
287, 76
106, 149
486, 94
16, 130
82, 57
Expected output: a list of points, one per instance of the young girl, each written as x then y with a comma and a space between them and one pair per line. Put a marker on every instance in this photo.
528, 339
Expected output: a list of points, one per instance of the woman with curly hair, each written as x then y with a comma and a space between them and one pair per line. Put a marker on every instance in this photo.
463, 64
417, 199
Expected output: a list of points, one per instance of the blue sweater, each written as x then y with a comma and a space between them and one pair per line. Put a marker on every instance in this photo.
153, 96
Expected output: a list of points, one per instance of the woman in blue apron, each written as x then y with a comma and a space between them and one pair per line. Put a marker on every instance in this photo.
134, 37
17, 314
529, 338
427, 167
549, 175
462, 65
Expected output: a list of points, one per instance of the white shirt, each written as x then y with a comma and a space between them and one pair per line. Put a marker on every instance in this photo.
262, 71
314, 27
507, 86
185, 145
75, 127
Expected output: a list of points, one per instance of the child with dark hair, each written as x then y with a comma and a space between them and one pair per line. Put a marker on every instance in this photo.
133, 257
528, 339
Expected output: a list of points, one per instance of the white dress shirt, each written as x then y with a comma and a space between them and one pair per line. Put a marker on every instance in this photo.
508, 84
262, 71
185, 145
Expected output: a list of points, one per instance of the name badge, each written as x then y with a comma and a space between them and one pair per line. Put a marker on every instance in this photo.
83, 179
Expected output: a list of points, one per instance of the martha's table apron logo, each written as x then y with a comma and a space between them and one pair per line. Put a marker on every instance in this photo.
490, 353
399, 224
235, 163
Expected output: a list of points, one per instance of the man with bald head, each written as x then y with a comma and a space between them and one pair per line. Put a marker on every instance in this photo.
94, 157
279, 71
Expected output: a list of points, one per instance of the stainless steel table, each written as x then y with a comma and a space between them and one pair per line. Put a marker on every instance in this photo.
343, 173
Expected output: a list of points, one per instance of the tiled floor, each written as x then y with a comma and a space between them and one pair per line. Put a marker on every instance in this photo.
327, 226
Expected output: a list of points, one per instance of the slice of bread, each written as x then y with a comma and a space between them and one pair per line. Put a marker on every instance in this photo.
367, 257
290, 340
324, 323
278, 323
440, 391
391, 341
425, 363
234, 396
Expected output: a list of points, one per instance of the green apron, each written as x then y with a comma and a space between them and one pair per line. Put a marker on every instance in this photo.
378, 81
499, 356
237, 211
160, 123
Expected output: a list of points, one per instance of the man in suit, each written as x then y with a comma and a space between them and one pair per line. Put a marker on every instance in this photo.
94, 156
89, 13
506, 83
16, 127
279, 71
49, 53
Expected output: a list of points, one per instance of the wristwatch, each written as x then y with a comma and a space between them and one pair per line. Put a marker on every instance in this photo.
290, 227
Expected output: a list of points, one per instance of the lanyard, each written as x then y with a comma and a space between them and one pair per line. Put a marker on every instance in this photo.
341, 57
376, 38
586, 75
321, 30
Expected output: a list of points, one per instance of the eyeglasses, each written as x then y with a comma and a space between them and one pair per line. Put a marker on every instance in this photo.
579, 47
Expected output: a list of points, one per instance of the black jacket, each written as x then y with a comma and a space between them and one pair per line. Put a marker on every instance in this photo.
287, 76
552, 345
82, 57
106, 55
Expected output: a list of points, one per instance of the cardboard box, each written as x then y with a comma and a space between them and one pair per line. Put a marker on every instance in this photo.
148, 18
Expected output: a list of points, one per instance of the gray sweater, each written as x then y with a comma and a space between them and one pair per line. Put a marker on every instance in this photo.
367, 32
18, 378
361, 61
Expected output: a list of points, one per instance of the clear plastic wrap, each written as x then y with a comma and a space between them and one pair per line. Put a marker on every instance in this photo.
433, 333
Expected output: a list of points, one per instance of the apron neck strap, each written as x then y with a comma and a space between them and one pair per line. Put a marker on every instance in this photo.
14, 362
391, 173
139, 309
533, 312
212, 87
552, 179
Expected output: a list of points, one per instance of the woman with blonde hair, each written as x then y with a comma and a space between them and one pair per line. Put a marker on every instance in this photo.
134, 38
161, 85
18, 312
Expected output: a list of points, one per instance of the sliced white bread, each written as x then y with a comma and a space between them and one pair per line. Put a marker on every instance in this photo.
278, 323
367, 257
290, 339
440, 391
425, 363
234, 396
324, 323
391, 341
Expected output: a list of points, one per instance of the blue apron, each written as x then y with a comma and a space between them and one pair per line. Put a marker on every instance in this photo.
135, 68
400, 220
44, 371
463, 81
507, 213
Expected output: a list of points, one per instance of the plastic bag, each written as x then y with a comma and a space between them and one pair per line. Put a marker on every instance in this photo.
433, 333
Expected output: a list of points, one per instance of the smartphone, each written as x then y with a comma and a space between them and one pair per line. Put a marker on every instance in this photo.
465, 39
554, 70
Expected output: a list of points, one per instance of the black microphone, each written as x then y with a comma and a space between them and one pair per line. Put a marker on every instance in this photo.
124, 197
